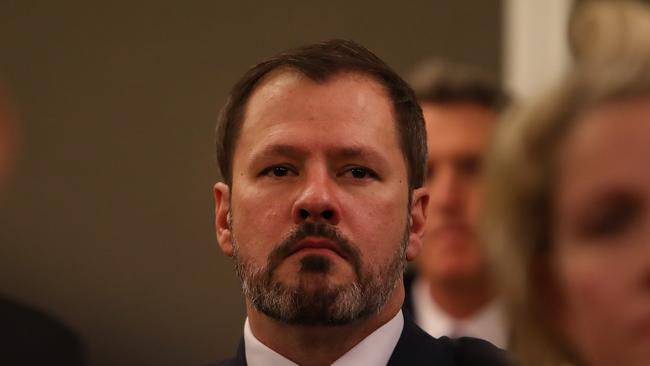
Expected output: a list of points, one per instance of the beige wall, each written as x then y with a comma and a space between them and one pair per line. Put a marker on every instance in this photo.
108, 221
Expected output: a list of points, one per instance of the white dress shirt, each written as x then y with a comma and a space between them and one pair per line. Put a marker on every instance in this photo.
375, 349
488, 323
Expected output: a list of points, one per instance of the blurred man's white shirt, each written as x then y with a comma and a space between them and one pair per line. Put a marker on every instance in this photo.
489, 323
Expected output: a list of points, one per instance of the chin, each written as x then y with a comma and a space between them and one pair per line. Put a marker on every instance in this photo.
296, 277
455, 271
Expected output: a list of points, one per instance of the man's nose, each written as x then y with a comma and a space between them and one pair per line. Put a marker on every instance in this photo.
446, 192
317, 200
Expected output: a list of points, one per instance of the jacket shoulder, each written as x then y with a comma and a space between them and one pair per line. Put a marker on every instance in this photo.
472, 351
238, 360
229, 362
417, 348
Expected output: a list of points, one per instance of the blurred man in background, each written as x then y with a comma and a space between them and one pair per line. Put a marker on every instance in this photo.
452, 292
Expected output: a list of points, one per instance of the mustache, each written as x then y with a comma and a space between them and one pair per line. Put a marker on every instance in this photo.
319, 230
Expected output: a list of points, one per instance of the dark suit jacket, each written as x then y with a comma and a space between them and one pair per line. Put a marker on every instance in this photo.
416, 348
407, 306
30, 337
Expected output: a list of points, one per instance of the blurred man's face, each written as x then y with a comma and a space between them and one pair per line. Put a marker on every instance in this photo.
458, 136
317, 215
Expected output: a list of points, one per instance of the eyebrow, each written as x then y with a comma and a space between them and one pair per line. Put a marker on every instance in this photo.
282, 150
348, 152
364, 153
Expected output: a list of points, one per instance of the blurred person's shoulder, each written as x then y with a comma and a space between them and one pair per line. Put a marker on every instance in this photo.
238, 360
416, 347
475, 351
30, 336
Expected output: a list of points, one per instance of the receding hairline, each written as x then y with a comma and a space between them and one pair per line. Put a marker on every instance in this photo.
359, 75
363, 77
343, 73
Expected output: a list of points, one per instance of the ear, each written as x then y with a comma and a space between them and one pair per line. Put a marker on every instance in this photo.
221, 220
418, 217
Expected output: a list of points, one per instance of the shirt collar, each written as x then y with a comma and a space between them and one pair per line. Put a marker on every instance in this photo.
488, 323
375, 349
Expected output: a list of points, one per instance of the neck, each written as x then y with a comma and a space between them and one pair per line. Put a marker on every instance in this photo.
462, 299
319, 345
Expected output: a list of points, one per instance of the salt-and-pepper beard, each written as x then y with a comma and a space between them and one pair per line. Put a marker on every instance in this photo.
309, 304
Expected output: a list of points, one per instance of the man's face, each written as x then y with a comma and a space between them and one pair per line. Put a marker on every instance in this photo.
317, 215
458, 135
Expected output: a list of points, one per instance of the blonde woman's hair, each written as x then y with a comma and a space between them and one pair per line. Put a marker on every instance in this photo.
521, 181
602, 30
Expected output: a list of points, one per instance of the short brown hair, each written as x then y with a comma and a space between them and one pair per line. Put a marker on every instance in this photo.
442, 82
319, 62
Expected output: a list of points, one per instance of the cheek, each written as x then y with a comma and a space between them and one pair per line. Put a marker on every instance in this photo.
474, 202
257, 224
592, 281
377, 226
593, 299
586, 290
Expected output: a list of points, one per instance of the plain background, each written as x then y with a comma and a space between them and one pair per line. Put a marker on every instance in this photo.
108, 222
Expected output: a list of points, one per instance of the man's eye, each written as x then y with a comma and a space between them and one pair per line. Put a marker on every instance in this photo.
277, 171
360, 173
280, 171
469, 167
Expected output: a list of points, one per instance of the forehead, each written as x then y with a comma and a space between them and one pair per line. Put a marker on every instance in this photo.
609, 145
457, 127
288, 105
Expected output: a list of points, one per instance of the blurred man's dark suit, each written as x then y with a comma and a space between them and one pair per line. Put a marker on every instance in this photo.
29, 337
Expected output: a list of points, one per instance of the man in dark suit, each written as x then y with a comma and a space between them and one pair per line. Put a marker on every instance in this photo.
452, 292
323, 151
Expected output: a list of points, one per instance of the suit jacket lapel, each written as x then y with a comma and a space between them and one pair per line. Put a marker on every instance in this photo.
238, 360
416, 347
240, 357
